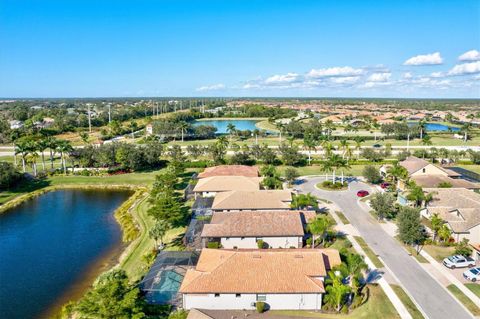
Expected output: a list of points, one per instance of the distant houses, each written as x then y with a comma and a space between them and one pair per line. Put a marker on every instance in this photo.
238, 279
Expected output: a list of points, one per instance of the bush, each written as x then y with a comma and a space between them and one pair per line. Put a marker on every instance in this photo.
213, 245
372, 174
260, 244
332, 185
261, 307
309, 241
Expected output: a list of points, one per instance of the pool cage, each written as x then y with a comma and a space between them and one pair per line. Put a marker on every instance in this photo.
164, 278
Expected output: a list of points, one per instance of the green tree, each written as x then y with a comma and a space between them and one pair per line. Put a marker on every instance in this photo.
410, 226
158, 231
302, 201
271, 178
444, 233
310, 144
436, 223
112, 297
383, 205
352, 268
463, 248
291, 174
177, 158
9, 176
336, 291
318, 227
231, 130
372, 174
183, 126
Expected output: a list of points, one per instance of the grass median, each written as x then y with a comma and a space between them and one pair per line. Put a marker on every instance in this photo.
369, 252
464, 300
407, 302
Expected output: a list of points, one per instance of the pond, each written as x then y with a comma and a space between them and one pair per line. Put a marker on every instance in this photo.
222, 125
53, 246
437, 127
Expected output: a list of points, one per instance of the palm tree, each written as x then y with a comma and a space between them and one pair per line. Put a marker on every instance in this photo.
329, 126
336, 291
337, 162
41, 146
158, 231
222, 141
52, 144
183, 126
231, 130
64, 147
427, 140
358, 147
344, 146
318, 227
466, 127
397, 172
436, 223
327, 147
421, 126
352, 268
23, 147
444, 232
309, 143
32, 159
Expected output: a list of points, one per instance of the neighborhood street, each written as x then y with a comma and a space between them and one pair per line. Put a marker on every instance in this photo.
435, 301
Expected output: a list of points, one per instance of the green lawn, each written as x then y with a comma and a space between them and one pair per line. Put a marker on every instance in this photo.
464, 300
369, 252
439, 252
378, 306
342, 217
354, 170
407, 302
475, 288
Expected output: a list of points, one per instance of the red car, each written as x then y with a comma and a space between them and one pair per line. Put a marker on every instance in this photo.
362, 193
384, 185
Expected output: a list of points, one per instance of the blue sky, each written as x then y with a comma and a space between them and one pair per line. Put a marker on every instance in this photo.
240, 48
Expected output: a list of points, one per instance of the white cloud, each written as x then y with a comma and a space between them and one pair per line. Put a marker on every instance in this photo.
283, 79
213, 87
465, 68
425, 59
379, 77
472, 55
335, 71
436, 74
345, 80
407, 75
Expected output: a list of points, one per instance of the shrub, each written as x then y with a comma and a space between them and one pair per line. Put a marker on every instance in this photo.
309, 241
260, 244
213, 245
260, 306
372, 174
444, 185
462, 248
332, 185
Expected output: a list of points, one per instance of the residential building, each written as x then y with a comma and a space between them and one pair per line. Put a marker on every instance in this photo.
289, 279
210, 186
459, 208
230, 170
263, 200
242, 230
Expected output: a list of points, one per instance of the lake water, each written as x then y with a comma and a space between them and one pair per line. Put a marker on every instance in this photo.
437, 127
50, 243
221, 125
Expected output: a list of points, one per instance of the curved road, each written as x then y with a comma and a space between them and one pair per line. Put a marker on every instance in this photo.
427, 292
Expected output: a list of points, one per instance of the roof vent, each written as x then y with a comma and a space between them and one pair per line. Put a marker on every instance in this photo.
257, 256
298, 256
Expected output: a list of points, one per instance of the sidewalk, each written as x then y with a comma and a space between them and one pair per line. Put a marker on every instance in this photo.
349, 231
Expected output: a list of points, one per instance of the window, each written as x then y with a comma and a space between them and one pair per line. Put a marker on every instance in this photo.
261, 297
238, 295
217, 295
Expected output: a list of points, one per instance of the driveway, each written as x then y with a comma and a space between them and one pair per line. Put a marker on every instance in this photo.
427, 292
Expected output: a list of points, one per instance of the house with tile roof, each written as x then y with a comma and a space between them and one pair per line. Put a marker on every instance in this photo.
262, 200
237, 279
210, 186
230, 170
460, 209
242, 230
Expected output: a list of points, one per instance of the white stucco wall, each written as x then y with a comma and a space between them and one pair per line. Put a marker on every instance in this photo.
430, 169
251, 242
245, 301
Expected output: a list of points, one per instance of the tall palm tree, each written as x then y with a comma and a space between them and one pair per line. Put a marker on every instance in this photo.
52, 144
64, 147
337, 162
183, 126
318, 227
336, 291
41, 146
344, 146
421, 126
358, 147
436, 223
397, 172
231, 129
32, 158
24, 147
466, 127
309, 143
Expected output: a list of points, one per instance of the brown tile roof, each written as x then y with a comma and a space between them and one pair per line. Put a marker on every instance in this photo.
254, 223
262, 199
227, 183
230, 170
413, 164
260, 271
460, 208
432, 181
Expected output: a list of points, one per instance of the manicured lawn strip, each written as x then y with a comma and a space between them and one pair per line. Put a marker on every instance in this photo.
266, 125
378, 306
369, 252
473, 168
355, 170
407, 302
342, 217
439, 252
464, 300
412, 251
475, 288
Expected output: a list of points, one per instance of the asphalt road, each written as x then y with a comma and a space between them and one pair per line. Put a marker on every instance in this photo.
427, 292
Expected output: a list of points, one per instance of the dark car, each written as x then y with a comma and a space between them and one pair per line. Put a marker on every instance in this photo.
377, 145
362, 193
384, 185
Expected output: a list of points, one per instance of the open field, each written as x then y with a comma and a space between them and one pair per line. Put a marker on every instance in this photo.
378, 306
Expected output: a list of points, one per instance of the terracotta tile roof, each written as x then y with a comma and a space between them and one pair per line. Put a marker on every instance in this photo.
460, 208
432, 181
254, 223
227, 183
413, 164
260, 271
230, 170
262, 199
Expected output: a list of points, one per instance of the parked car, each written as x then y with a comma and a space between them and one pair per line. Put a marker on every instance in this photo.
362, 193
384, 185
377, 145
472, 274
458, 261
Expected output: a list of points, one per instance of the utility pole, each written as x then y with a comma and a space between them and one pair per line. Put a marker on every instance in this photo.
109, 113
89, 119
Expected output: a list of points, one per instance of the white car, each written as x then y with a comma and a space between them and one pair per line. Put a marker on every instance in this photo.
472, 274
458, 261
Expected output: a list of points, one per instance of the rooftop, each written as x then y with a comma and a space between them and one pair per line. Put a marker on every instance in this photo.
227, 183
261, 271
230, 170
260, 199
